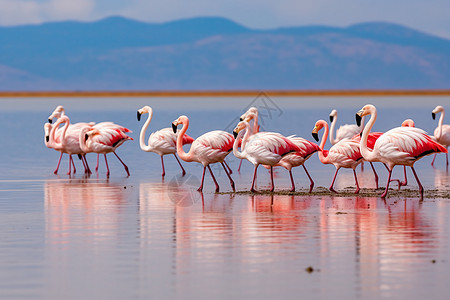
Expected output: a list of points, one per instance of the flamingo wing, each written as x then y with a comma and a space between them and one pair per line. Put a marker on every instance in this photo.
347, 131
346, 152
218, 140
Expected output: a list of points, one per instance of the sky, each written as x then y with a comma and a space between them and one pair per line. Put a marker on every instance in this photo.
430, 16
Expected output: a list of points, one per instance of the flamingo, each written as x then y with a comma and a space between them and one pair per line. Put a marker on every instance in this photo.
406, 123
346, 131
398, 146
162, 142
209, 148
442, 132
251, 113
344, 154
266, 148
103, 140
65, 140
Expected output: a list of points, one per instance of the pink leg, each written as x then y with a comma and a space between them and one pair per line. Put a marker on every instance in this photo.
292, 181
252, 189
272, 188
387, 184
107, 167
332, 183
375, 174
87, 165
229, 177
162, 164
362, 167
70, 165
203, 179
311, 185
446, 157
228, 167
124, 165
57, 166
73, 164
96, 167
184, 172
418, 181
84, 165
432, 163
214, 179
240, 164
356, 181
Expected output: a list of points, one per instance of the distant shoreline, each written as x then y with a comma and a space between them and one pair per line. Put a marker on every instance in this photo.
225, 93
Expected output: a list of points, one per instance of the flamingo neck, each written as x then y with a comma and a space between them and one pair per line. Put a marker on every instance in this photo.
55, 127
441, 122
143, 131
323, 156
255, 124
236, 153
180, 151
82, 139
365, 152
333, 125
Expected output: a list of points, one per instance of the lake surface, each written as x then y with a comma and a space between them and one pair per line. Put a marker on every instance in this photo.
141, 237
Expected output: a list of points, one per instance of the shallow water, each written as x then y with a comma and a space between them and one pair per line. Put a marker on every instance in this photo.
78, 237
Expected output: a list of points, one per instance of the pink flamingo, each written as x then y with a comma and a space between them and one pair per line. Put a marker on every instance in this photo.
406, 123
266, 148
251, 113
65, 140
398, 146
346, 131
103, 140
161, 142
344, 154
211, 147
442, 132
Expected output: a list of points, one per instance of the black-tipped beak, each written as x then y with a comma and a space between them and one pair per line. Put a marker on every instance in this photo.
47, 138
174, 127
315, 136
50, 121
235, 134
331, 119
86, 137
358, 120
433, 115
139, 116
241, 119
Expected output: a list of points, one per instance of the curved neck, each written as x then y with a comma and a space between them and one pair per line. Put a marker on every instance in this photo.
144, 130
244, 142
55, 127
441, 122
322, 157
255, 124
365, 152
82, 139
180, 151
333, 125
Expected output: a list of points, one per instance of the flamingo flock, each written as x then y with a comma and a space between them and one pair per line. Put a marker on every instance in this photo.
353, 144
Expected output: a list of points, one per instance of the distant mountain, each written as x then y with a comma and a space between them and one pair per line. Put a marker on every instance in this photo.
215, 53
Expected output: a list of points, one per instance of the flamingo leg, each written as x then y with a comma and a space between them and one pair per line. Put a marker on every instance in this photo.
96, 167
240, 164
124, 165
107, 167
70, 165
292, 181
229, 177
272, 188
184, 172
73, 164
203, 179
387, 184
362, 166
84, 165
311, 185
228, 167
446, 157
252, 189
434, 157
418, 181
214, 179
57, 166
375, 174
332, 183
162, 164
87, 165
356, 181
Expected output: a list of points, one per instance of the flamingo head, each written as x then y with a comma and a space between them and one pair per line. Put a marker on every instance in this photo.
249, 116
251, 110
333, 114
90, 133
47, 128
145, 110
438, 109
57, 113
366, 110
181, 120
239, 127
317, 127
408, 123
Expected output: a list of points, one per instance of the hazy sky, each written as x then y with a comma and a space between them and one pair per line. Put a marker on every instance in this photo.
427, 15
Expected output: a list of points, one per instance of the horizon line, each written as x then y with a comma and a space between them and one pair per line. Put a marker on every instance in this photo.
226, 93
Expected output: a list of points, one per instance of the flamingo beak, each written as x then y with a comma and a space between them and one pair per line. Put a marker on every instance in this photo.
86, 137
47, 138
315, 136
50, 121
235, 134
139, 116
174, 127
358, 119
331, 119
433, 115
241, 119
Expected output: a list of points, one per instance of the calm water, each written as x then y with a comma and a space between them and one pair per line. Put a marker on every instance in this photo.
142, 237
